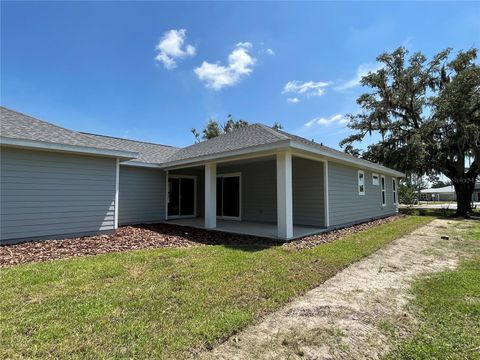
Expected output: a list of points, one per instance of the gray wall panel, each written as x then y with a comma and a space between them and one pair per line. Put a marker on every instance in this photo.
308, 192
49, 194
346, 205
141, 195
259, 189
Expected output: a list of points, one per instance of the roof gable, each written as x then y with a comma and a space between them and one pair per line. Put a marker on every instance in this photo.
252, 136
244, 138
15, 125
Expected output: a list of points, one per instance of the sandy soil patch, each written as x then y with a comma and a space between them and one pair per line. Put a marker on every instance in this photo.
351, 314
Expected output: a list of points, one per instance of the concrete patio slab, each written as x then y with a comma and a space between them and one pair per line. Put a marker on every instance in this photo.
262, 229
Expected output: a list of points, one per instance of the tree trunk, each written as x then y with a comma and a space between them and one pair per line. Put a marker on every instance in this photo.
464, 191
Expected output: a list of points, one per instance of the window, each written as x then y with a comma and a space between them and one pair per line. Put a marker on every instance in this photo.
228, 196
394, 190
181, 195
375, 179
361, 182
384, 195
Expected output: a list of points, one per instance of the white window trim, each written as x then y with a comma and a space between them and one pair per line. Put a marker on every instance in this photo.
378, 178
239, 175
394, 191
383, 187
174, 176
358, 182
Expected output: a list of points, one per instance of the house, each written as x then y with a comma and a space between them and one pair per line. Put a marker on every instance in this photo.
447, 193
58, 183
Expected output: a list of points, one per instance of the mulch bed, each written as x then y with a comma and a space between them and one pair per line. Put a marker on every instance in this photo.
157, 236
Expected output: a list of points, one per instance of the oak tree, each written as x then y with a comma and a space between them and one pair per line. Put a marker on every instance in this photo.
427, 113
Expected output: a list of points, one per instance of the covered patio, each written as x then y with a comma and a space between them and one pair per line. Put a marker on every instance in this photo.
280, 195
261, 229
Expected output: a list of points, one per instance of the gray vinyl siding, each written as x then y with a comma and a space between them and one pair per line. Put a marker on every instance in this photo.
259, 189
346, 205
141, 195
308, 192
50, 194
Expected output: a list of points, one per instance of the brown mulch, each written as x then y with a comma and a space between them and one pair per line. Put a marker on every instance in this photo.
125, 238
156, 236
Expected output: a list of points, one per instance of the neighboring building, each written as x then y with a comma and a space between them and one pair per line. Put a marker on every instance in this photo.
447, 193
58, 183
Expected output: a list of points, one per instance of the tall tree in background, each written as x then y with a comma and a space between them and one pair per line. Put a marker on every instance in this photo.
428, 116
213, 128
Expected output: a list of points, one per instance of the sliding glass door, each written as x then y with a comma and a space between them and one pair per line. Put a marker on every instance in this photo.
181, 196
228, 196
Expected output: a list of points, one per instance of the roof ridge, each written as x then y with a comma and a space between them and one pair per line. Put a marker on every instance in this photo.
119, 138
37, 119
223, 134
273, 131
54, 125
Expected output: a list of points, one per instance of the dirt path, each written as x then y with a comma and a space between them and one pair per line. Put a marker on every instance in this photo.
350, 315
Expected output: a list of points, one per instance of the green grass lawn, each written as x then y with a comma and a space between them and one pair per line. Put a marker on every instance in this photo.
448, 307
166, 302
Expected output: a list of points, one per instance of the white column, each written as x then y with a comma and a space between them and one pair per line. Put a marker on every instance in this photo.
210, 195
284, 196
117, 183
326, 204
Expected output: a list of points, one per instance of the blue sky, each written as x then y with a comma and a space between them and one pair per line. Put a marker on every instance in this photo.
152, 71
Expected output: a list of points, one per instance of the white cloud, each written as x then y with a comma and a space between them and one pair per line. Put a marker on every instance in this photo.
171, 47
308, 88
246, 45
240, 64
293, 100
321, 121
362, 70
270, 52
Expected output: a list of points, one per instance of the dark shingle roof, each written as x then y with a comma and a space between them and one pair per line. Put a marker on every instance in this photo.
16, 125
147, 152
243, 138
252, 136
331, 151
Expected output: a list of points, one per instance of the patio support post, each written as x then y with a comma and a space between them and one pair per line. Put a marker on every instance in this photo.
117, 183
210, 195
284, 196
325, 184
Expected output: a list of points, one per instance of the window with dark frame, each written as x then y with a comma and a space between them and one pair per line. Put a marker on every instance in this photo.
384, 195
394, 191
361, 182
